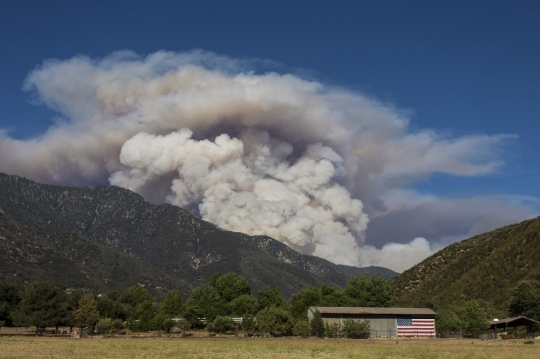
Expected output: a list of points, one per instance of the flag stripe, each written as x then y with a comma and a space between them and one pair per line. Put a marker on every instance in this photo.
407, 326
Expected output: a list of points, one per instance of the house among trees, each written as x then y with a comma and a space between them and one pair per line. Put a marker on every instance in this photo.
383, 322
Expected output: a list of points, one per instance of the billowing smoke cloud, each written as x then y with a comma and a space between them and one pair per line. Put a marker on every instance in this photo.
261, 153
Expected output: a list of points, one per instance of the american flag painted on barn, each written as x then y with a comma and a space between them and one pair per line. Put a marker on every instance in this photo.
409, 326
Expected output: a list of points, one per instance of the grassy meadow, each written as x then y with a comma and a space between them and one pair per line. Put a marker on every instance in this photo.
224, 348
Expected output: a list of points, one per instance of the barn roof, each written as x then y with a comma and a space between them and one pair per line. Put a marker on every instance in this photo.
372, 310
513, 322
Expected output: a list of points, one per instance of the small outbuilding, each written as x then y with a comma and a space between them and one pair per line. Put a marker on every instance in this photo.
513, 323
384, 322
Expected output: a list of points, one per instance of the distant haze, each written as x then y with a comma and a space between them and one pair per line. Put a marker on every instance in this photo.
324, 169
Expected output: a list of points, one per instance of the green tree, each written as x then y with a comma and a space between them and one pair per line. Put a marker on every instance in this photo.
272, 297
301, 328
9, 299
379, 292
448, 321
41, 305
317, 324
222, 324
333, 297
248, 323
172, 305
210, 302
474, 317
230, 285
104, 326
525, 300
369, 292
274, 320
243, 304
132, 298
358, 289
86, 315
301, 301
192, 314
136, 295
109, 308
356, 328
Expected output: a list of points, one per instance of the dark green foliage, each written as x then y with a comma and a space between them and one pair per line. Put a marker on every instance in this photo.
244, 304
301, 328
272, 297
222, 324
9, 299
135, 296
448, 321
474, 317
380, 293
274, 320
104, 326
317, 324
172, 306
304, 299
358, 329
526, 300
208, 301
109, 308
333, 297
485, 267
41, 305
86, 314
332, 330
193, 313
168, 325
369, 292
248, 323
230, 285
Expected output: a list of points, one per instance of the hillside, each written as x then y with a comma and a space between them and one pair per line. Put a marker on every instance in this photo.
166, 238
485, 267
35, 252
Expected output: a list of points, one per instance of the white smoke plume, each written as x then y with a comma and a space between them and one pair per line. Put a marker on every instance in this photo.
260, 153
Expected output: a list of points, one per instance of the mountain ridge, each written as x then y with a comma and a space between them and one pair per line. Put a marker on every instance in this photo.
166, 237
485, 267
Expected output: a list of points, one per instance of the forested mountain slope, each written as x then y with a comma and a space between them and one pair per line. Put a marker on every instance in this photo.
165, 237
35, 252
485, 267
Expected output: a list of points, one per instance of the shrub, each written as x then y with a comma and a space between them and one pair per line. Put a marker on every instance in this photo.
301, 329
317, 324
222, 324
248, 323
528, 342
104, 326
356, 329
274, 320
332, 330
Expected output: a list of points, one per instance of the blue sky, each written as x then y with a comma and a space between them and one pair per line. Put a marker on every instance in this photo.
460, 67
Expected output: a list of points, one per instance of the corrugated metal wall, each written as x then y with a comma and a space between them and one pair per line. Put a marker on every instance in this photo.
380, 325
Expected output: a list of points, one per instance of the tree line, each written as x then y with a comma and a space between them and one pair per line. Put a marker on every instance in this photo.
212, 305
225, 297
524, 301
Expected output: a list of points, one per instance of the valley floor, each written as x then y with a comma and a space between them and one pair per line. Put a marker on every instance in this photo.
224, 348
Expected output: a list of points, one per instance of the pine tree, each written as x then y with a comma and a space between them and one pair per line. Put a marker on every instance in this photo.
86, 315
317, 324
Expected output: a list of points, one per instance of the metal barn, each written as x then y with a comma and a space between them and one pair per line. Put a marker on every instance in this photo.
384, 322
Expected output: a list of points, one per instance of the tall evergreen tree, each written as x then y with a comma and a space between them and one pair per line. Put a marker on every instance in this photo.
526, 300
172, 305
317, 324
86, 315
9, 299
41, 305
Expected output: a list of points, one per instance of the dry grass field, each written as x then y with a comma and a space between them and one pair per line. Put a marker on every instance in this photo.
224, 348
